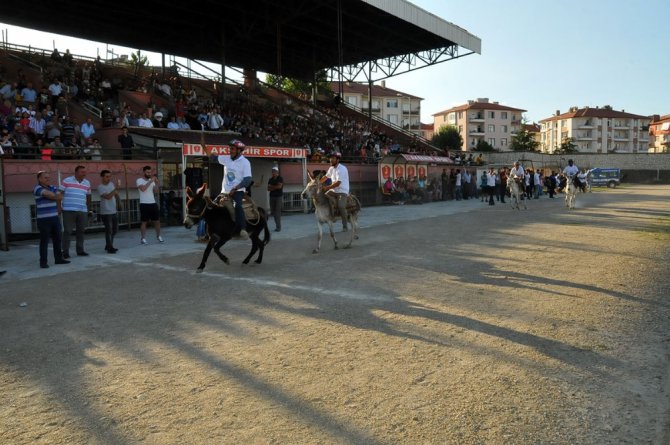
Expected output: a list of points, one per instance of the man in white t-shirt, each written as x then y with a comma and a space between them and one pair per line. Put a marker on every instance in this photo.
571, 170
517, 172
108, 207
338, 189
236, 180
148, 185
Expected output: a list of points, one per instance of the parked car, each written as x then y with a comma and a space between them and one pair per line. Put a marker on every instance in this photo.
610, 177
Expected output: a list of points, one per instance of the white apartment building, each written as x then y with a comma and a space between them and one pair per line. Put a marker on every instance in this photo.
596, 130
482, 120
396, 107
659, 134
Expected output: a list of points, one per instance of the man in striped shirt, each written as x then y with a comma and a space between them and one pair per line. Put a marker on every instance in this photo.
48, 199
76, 205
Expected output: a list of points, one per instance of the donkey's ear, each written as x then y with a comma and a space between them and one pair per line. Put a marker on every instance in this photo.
311, 178
201, 190
189, 192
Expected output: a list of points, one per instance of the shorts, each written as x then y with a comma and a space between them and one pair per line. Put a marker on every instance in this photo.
149, 212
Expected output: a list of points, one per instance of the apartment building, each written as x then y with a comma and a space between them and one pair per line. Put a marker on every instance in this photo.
659, 134
482, 120
596, 130
396, 107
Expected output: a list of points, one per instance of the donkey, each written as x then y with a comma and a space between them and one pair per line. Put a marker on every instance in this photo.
314, 191
570, 192
220, 226
515, 187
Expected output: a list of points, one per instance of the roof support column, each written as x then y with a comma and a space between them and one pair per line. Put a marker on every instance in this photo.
370, 94
222, 93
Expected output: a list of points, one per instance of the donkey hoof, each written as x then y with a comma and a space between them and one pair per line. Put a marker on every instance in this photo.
356, 237
337, 248
315, 251
199, 270
348, 246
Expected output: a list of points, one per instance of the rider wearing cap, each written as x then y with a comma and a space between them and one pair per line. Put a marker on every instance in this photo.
236, 179
338, 190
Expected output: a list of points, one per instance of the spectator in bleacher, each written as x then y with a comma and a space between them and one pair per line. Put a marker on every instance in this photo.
214, 120
144, 121
165, 89
43, 99
9, 91
88, 129
56, 90
57, 144
173, 125
68, 129
7, 142
67, 57
183, 125
157, 121
96, 150
55, 56
61, 106
37, 125
29, 94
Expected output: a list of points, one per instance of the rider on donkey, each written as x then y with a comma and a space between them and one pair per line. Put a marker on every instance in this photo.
571, 170
236, 179
338, 190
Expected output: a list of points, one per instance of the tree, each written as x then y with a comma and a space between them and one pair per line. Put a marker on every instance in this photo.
138, 60
482, 145
448, 138
297, 86
523, 140
567, 146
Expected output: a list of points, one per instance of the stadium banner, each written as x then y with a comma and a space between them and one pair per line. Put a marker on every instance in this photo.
410, 171
427, 159
385, 172
250, 151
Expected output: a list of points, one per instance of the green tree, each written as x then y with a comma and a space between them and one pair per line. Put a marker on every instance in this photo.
448, 138
524, 140
138, 60
298, 86
482, 145
567, 146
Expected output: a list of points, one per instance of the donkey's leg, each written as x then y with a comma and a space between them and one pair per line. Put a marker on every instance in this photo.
205, 255
255, 243
332, 233
319, 238
219, 242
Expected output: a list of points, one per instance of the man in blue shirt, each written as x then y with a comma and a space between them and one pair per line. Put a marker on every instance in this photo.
48, 199
76, 205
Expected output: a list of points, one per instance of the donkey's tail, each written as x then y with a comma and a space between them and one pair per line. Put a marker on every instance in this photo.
266, 231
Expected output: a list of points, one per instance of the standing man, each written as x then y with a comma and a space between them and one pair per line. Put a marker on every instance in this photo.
108, 207
276, 189
148, 186
236, 179
338, 190
445, 183
458, 190
76, 205
48, 205
127, 143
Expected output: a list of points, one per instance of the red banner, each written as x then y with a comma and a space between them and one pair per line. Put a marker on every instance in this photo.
249, 151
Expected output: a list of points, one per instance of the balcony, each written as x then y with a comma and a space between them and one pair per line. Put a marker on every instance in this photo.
476, 132
586, 125
410, 112
476, 118
516, 121
585, 137
620, 138
621, 126
365, 109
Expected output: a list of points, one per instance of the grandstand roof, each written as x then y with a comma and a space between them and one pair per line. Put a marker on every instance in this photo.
293, 37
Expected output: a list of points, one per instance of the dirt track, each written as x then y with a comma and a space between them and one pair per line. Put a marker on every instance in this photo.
488, 327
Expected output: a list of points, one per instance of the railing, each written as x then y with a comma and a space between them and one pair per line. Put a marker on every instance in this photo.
92, 108
33, 153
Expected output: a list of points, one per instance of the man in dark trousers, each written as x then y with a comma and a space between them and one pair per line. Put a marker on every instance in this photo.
276, 189
127, 143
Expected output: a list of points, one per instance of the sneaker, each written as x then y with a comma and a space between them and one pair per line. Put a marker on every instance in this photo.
143, 241
160, 239
44, 266
62, 261
82, 253
277, 230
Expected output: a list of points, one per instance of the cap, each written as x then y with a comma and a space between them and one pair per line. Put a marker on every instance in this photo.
159, 115
238, 144
336, 154
275, 169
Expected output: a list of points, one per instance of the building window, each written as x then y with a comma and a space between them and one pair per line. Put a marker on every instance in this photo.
503, 114
492, 128
504, 129
393, 118
503, 142
460, 115
460, 128
492, 142
451, 117
392, 103
492, 114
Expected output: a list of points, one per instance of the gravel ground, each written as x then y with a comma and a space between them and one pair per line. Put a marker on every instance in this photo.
489, 326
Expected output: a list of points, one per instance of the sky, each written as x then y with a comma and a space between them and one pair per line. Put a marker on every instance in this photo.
537, 55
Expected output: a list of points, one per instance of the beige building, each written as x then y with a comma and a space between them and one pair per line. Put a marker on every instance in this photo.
482, 120
397, 108
596, 130
659, 134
